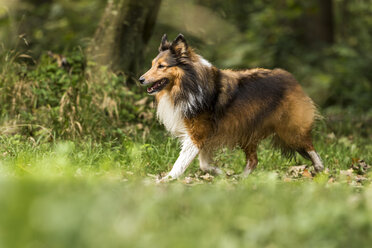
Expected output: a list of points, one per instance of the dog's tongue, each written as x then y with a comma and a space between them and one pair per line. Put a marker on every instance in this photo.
149, 89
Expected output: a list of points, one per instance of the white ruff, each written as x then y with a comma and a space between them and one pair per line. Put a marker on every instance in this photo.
204, 61
171, 117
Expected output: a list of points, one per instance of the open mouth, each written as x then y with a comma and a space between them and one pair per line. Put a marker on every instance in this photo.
157, 86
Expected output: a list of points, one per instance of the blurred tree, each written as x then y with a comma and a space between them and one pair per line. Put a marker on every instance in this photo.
124, 30
317, 22
56, 25
30, 16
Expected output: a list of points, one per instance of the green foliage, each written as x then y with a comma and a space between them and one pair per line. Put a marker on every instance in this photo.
57, 25
48, 101
269, 34
278, 34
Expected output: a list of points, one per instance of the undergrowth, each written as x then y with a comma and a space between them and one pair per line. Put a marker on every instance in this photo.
44, 100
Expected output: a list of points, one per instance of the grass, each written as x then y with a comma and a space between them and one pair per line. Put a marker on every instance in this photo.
90, 194
140, 155
258, 212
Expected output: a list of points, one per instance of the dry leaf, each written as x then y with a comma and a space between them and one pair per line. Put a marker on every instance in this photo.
354, 160
229, 172
188, 180
296, 171
360, 178
207, 177
359, 166
307, 174
348, 172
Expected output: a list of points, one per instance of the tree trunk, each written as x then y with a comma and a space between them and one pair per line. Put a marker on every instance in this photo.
125, 29
318, 23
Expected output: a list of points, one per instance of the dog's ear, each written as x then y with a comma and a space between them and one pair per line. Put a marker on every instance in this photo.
179, 46
164, 45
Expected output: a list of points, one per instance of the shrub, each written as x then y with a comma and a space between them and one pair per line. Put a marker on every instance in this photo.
45, 100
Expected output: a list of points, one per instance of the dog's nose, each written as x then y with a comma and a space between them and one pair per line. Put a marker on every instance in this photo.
142, 80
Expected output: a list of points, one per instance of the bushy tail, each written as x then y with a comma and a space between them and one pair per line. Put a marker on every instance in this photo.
288, 150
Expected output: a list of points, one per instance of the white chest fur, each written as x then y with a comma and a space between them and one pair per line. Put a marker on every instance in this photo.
170, 116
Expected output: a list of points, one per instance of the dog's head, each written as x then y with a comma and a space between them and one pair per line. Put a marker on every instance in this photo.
167, 66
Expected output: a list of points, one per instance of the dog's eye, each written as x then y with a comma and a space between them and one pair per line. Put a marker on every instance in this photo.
161, 66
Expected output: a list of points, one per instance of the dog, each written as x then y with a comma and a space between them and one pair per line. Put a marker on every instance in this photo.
209, 108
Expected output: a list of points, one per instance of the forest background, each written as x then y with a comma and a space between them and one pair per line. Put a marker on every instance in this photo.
80, 146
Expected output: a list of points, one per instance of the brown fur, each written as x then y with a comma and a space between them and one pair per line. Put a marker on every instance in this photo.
243, 107
291, 121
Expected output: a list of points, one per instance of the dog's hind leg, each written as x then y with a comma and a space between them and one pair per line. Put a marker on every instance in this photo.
315, 158
251, 156
304, 146
205, 158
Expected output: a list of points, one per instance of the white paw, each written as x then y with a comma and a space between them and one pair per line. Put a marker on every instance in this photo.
165, 179
246, 172
213, 170
319, 167
216, 171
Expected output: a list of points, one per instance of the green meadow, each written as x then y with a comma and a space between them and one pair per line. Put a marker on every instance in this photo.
89, 194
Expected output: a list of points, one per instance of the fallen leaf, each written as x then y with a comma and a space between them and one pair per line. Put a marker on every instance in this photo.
296, 171
360, 178
229, 172
307, 174
188, 180
207, 177
354, 160
348, 172
359, 166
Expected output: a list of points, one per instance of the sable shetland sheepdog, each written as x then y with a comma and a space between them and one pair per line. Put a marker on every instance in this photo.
208, 108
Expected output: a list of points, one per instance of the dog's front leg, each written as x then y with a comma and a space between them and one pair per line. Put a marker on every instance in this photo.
188, 153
